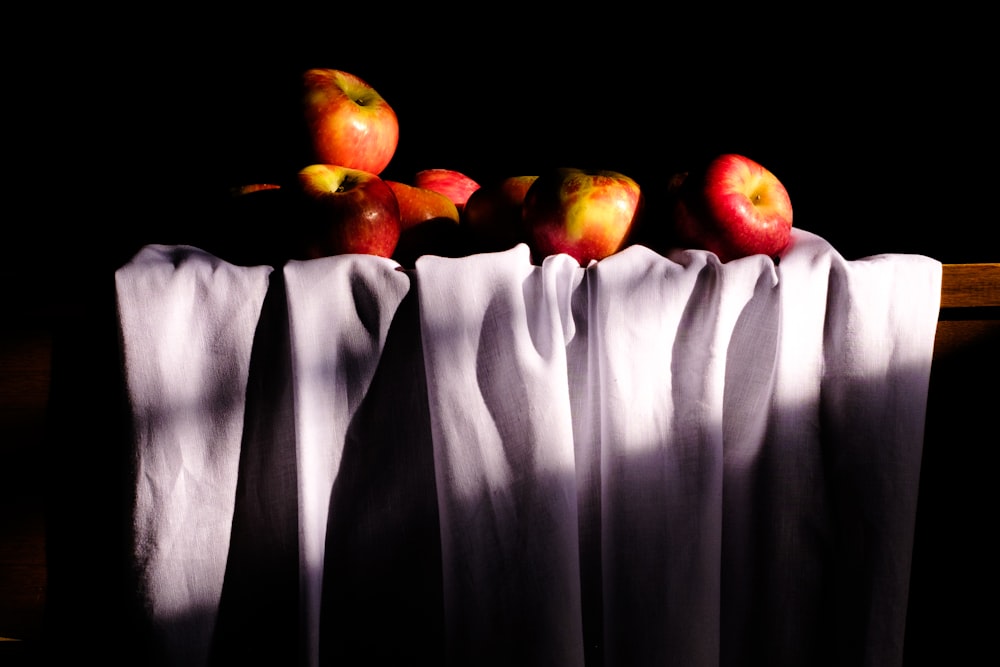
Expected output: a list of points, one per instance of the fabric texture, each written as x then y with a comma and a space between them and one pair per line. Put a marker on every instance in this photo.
480, 461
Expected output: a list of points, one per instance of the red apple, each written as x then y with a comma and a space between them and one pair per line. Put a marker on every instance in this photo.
455, 185
245, 233
586, 214
349, 123
345, 210
417, 204
733, 207
492, 213
429, 223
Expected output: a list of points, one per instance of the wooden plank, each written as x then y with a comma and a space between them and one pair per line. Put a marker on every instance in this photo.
954, 336
25, 367
970, 285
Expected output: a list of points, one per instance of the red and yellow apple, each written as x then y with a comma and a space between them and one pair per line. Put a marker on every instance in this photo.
348, 122
492, 213
343, 210
453, 184
733, 207
584, 213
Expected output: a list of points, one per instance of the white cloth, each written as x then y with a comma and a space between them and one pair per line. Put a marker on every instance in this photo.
650, 460
187, 323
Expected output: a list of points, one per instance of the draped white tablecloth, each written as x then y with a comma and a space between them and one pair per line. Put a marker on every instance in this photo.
648, 461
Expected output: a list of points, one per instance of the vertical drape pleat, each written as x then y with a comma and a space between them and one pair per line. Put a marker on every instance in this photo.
339, 313
503, 448
776, 537
187, 321
874, 400
260, 594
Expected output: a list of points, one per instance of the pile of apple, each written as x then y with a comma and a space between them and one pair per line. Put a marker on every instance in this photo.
732, 206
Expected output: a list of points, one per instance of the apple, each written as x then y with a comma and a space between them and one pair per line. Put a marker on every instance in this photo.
429, 224
417, 204
733, 207
453, 184
492, 213
348, 122
584, 213
244, 231
344, 210
655, 228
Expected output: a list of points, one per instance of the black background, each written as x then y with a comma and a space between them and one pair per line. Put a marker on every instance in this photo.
880, 127
125, 129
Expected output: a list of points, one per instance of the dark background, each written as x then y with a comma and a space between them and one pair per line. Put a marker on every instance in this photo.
882, 128
125, 129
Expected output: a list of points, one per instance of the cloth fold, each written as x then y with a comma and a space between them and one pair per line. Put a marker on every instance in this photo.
648, 460
187, 322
